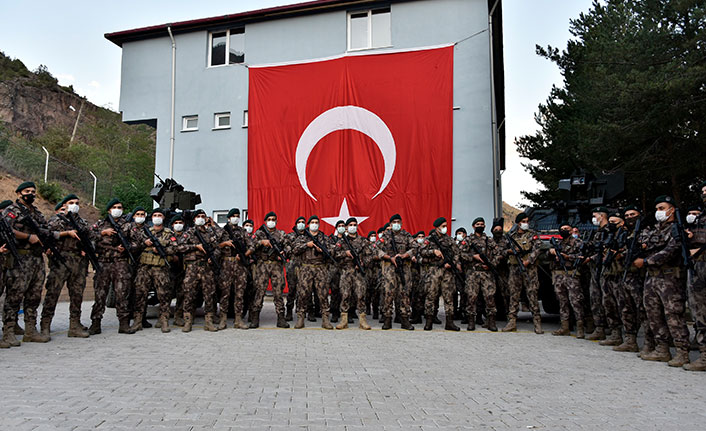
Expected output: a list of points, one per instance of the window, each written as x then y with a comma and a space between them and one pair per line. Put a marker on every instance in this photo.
245, 118
229, 41
369, 29
220, 217
221, 121
189, 123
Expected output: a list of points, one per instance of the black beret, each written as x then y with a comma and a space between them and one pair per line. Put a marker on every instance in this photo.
312, 218
232, 212
520, 217
381, 230
565, 223
157, 211
703, 184
176, 218
351, 220
248, 221
340, 222
59, 205
302, 218
395, 217
600, 210
372, 232
461, 229
431, 231
498, 222
694, 208
438, 222
25, 185
617, 214
421, 232
385, 226
111, 203
69, 197
138, 208
199, 212
664, 198
270, 214
631, 208
478, 219
4, 204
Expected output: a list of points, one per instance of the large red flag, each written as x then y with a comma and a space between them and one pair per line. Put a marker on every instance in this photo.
362, 135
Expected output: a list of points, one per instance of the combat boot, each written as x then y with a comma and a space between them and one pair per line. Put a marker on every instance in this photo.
223, 320
238, 323
95, 328
537, 319
615, 338
564, 330
326, 322
699, 364
492, 326
137, 324
598, 334
31, 334
8, 336
450, 326
208, 325
300, 321
648, 347
680, 359
18, 329
580, 330
343, 324
255, 320
404, 321
659, 354
281, 323
45, 327
362, 323
430, 323
511, 325
164, 324
387, 323
629, 345
187, 322
124, 326
76, 329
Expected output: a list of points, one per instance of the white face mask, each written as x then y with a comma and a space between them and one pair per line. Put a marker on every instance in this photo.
72, 208
301, 226
459, 237
575, 235
139, 220
661, 216
524, 226
420, 240
314, 227
691, 218
234, 221
248, 229
271, 224
352, 229
372, 239
595, 221
157, 221
341, 229
116, 212
396, 226
444, 230
178, 227
199, 221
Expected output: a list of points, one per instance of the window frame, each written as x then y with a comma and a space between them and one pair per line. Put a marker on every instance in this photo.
184, 122
227, 50
369, 12
219, 115
216, 213
246, 119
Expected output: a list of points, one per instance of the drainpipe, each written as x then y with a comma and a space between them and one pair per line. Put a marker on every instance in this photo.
493, 116
171, 130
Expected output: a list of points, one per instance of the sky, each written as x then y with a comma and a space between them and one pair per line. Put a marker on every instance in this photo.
67, 37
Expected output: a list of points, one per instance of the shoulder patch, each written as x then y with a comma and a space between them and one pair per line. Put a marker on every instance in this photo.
463, 242
338, 244
535, 237
382, 239
11, 214
426, 241
172, 239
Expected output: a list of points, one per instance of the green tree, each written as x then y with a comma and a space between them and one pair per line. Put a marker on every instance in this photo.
633, 100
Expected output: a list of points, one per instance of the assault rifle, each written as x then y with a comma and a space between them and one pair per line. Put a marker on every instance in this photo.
485, 259
209, 252
356, 257
240, 248
157, 245
121, 237
276, 245
86, 244
323, 248
45, 237
7, 237
680, 235
559, 257
515, 249
586, 249
398, 269
633, 248
447, 260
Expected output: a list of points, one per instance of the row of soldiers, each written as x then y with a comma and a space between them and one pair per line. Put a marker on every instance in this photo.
390, 268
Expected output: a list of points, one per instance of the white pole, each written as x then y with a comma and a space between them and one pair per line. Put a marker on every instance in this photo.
46, 164
171, 131
78, 117
95, 180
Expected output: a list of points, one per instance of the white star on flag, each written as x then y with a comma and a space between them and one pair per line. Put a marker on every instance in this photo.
343, 214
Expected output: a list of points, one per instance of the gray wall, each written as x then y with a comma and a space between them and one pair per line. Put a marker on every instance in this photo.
214, 162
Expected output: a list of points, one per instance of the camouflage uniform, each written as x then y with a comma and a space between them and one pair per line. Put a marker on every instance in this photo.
115, 269
392, 286
503, 269
697, 286
664, 296
199, 272
152, 272
176, 277
293, 269
477, 277
596, 293
73, 274
234, 272
269, 268
530, 249
334, 282
610, 278
373, 278
630, 302
352, 280
567, 285
313, 273
440, 279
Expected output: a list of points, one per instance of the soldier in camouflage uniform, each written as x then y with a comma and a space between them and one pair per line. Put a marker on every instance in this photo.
199, 270
4, 262
176, 272
25, 281
249, 294
353, 283
611, 277
73, 274
134, 237
479, 276
503, 268
293, 269
395, 250
152, 270
527, 245
436, 250
600, 220
418, 294
313, 272
269, 269
371, 271
334, 279
233, 269
697, 286
115, 269
664, 296
566, 282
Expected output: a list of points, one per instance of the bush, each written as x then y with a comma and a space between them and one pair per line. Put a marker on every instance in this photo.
50, 191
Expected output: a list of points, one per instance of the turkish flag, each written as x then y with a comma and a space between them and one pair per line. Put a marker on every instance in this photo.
361, 135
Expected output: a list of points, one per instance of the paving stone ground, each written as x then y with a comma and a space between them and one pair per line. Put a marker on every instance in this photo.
314, 379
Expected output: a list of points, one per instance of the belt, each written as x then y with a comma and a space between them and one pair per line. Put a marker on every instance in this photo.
313, 265
24, 251
230, 258
195, 262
